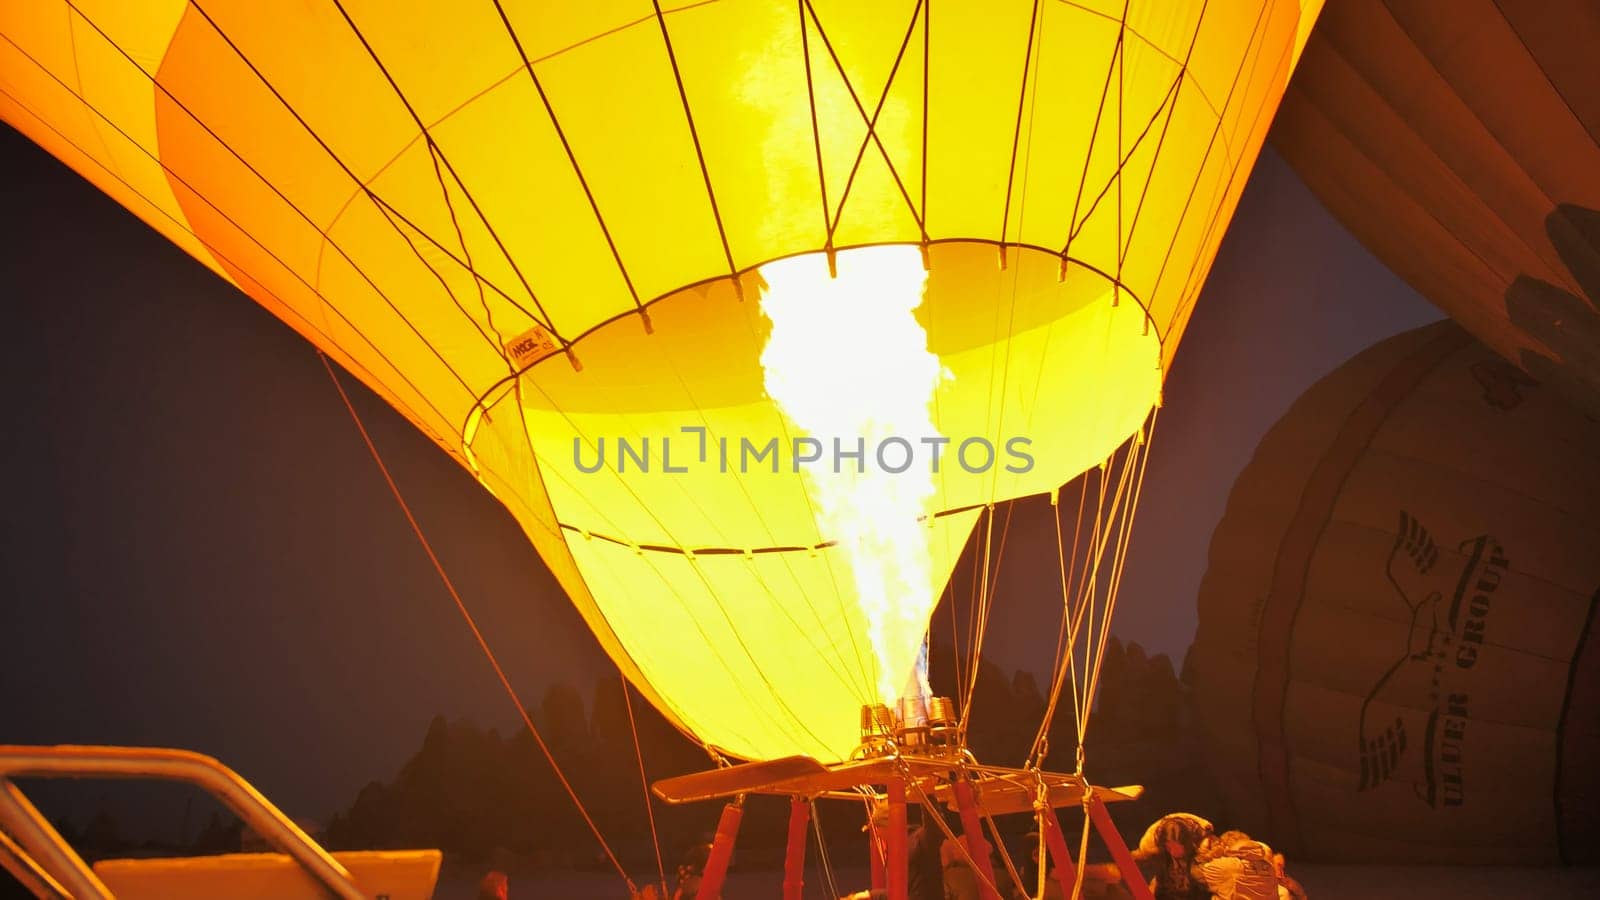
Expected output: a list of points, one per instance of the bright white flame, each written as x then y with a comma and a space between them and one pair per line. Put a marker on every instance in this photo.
848, 362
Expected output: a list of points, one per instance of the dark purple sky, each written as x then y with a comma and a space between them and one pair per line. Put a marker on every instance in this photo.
198, 551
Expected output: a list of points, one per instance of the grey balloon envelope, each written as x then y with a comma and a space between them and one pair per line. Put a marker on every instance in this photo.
1394, 659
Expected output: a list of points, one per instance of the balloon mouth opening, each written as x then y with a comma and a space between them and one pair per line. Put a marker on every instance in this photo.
968, 283
1083, 376
1088, 355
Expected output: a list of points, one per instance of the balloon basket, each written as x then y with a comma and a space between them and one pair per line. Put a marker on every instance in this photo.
892, 776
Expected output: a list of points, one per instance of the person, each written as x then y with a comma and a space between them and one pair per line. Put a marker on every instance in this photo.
960, 882
1288, 887
690, 872
1030, 870
493, 886
924, 863
1169, 846
1236, 867
924, 874
1005, 885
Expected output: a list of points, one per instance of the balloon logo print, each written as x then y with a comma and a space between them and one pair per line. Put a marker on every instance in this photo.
1443, 642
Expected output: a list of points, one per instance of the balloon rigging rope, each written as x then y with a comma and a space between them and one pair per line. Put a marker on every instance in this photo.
466, 254
1135, 464
644, 784
980, 570
1025, 103
1138, 460
1083, 606
989, 596
984, 602
822, 851
1072, 612
1090, 581
1003, 852
422, 127
1063, 661
931, 811
1189, 291
1113, 544
975, 620
1097, 633
871, 120
955, 633
1083, 857
1113, 528
472, 624
572, 159
1105, 520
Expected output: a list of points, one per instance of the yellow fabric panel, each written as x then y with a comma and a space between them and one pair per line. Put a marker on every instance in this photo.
496, 448
631, 189
761, 655
502, 145
416, 264
110, 80
312, 60
71, 79
402, 187
1310, 11
106, 66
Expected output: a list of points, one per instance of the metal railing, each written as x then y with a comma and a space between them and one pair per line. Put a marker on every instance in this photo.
37, 855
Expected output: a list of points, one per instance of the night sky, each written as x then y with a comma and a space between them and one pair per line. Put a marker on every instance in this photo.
199, 551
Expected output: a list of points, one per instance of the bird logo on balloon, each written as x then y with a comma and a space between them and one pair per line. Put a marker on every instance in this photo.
1425, 686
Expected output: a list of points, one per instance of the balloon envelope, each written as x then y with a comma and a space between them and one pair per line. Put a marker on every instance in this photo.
1460, 141
537, 229
1396, 659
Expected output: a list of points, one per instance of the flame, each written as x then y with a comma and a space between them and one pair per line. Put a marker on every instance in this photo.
848, 362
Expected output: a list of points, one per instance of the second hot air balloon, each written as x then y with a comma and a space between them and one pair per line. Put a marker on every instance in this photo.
1397, 657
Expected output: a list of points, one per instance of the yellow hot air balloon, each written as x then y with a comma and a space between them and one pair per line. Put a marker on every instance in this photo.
557, 237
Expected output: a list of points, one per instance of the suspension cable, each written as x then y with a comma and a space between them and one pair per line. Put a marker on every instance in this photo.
1111, 530
822, 850
1096, 638
472, 624
1139, 461
644, 783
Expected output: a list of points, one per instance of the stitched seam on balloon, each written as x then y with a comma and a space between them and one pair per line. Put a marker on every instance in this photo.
740, 551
